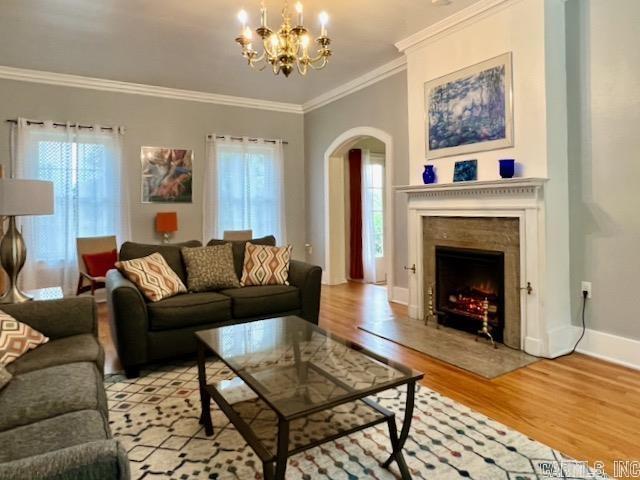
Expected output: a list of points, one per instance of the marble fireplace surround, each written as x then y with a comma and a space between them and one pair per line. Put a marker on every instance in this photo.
496, 234
518, 198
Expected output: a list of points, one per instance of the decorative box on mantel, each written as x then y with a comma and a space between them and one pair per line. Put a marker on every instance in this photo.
542, 329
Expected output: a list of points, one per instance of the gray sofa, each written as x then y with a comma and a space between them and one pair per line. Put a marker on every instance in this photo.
148, 332
53, 413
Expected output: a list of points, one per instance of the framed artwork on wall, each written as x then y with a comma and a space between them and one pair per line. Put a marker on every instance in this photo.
465, 171
166, 175
470, 110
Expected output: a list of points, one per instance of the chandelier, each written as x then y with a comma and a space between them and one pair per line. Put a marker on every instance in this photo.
287, 48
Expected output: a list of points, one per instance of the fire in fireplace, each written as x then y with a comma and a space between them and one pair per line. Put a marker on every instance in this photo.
468, 282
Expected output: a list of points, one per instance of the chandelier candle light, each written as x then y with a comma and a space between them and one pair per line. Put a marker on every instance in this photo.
288, 47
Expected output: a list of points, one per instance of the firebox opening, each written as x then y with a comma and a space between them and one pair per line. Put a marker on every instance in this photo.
465, 278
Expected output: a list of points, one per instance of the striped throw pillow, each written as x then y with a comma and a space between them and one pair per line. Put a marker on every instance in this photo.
17, 338
265, 265
153, 276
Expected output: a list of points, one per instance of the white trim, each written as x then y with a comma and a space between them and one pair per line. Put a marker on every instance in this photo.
400, 295
467, 15
91, 83
363, 81
340, 143
612, 348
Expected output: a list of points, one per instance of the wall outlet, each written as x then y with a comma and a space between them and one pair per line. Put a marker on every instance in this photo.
586, 287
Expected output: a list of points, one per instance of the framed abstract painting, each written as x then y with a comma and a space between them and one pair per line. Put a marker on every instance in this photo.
470, 110
166, 175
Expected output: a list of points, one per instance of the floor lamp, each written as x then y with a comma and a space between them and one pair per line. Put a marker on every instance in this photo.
19, 198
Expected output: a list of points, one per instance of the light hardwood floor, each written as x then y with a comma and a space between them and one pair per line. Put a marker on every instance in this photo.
582, 406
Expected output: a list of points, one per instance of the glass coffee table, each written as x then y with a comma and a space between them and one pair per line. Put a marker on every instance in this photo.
297, 387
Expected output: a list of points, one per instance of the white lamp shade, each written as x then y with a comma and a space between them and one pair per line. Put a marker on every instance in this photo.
25, 197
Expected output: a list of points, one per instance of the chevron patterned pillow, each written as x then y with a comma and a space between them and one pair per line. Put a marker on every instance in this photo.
17, 338
153, 276
265, 265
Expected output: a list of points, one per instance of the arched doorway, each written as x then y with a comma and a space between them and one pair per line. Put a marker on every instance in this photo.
334, 236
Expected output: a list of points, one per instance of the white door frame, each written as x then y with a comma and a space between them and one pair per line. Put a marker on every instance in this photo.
338, 148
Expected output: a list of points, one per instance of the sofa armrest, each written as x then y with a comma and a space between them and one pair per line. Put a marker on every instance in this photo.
128, 319
307, 278
103, 459
57, 318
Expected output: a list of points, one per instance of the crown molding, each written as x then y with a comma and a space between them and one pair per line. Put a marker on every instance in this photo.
471, 13
91, 83
363, 81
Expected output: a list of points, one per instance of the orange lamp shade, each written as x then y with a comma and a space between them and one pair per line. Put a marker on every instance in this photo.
166, 222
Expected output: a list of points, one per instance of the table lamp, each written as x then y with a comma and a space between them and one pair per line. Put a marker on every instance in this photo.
166, 224
17, 198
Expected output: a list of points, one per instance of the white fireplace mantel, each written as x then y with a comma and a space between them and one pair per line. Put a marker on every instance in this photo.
522, 198
508, 186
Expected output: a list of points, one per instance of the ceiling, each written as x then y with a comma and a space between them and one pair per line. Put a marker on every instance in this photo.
189, 44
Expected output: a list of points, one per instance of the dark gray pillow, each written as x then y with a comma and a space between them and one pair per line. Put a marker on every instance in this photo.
5, 377
210, 268
238, 249
170, 252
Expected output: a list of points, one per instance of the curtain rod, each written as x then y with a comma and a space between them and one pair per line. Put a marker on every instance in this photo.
284, 142
75, 125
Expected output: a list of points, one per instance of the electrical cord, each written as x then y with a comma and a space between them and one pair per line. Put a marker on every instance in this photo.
585, 295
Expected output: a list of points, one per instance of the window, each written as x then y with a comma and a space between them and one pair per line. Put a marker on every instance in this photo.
376, 192
90, 195
83, 199
246, 188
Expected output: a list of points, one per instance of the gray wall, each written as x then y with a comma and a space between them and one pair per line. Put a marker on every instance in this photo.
603, 63
382, 105
164, 122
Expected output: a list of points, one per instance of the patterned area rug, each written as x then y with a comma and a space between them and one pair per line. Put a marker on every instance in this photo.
156, 418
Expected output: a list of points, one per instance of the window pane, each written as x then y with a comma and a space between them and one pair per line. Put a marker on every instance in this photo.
248, 195
376, 199
378, 229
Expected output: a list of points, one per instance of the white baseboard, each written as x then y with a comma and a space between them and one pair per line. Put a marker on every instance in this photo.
560, 340
332, 281
400, 295
612, 348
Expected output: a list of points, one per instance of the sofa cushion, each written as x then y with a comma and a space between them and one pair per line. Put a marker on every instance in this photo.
5, 377
73, 349
189, 309
17, 338
52, 434
50, 392
170, 252
153, 276
263, 300
238, 249
210, 268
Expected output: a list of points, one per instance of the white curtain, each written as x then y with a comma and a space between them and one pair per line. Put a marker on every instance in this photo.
90, 195
372, 213
244, 188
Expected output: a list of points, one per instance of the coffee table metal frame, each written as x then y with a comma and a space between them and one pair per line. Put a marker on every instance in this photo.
274, 466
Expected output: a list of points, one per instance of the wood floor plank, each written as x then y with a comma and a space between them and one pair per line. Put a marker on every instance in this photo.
582, 406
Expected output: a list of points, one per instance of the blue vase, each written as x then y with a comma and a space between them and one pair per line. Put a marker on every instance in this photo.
429, 175
507, 167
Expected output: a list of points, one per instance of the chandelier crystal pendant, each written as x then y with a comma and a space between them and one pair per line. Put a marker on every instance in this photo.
287, 48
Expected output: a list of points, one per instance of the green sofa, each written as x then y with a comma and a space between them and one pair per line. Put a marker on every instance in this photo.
53, 413
147, 332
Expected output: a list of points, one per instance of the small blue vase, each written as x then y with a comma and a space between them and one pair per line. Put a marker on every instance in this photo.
429, 175
507, 167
